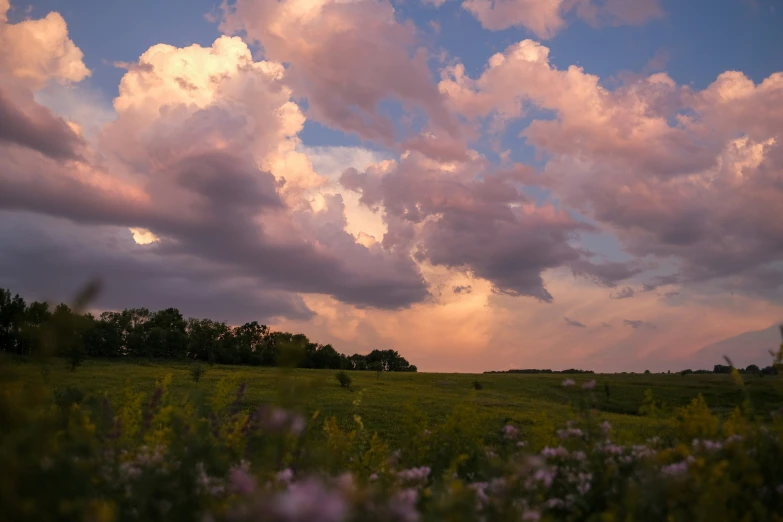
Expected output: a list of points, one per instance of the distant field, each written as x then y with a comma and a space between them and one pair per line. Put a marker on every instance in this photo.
536, 403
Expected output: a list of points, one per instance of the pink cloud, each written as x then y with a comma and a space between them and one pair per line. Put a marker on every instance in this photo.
692, 176
471, 216
346, 58
545, 18
203, 155
38, 51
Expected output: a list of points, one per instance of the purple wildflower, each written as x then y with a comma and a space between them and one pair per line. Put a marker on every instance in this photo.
559, 451
285, 476
414, 474
241, 481
545, 476
403, 505
568, 383
510, 431
589, 385
309, 501
569, 432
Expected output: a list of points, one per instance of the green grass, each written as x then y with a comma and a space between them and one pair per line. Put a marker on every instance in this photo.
536, 403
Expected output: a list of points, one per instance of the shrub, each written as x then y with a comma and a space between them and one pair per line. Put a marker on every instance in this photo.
68, 396
197, 371
344, 379
477, 385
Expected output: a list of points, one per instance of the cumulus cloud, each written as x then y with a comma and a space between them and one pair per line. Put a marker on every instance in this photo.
202, 156
38, 51
545, 18
462, 289
470, 215
673, 172
346, 58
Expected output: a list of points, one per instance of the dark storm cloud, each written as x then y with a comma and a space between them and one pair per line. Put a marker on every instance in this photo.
25, 123
48, 258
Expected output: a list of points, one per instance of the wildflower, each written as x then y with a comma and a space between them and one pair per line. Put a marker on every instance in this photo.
612, 449
414, 474
345, 483
510, 432
297, 425
284, 476
569, 432
589, 385
555, 503
374, 476
498, 485
545, 476
394, 457
481, 495
520, 444
640, 451
709, 445
531, 516
606, 427
427, 433
308, 501
241, 481
559, 451
404, 505
676, 469
568, 383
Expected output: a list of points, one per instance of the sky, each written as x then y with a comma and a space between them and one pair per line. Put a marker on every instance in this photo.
480, 185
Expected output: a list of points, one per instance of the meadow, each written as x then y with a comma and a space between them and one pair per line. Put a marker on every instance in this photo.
140, 440
537, 403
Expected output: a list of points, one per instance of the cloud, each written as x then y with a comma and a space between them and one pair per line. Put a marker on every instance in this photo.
50, 258
34, 53
571, 322
667, 169
636, 324
38, 51
624, 293
23, 122
545, 18
203, 155
471, 216
346, 58
462, 289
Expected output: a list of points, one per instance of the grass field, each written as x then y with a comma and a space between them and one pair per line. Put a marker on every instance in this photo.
536, 403
118, 441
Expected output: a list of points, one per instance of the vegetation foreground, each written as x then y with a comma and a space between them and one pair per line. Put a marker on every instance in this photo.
141, 441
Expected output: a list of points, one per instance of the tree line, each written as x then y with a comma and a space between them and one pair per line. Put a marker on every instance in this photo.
532, 370
166, 334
